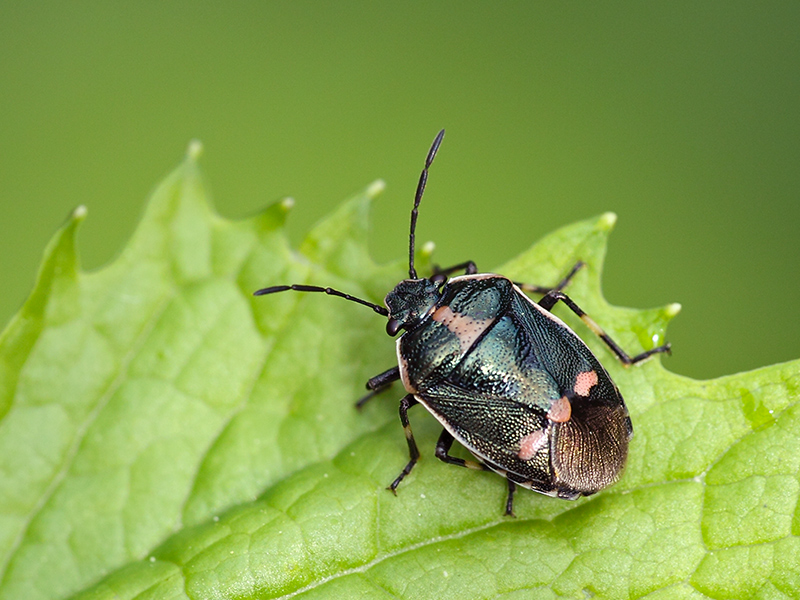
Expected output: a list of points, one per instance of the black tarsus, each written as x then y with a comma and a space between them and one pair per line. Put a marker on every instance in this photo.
423, 178
325, 290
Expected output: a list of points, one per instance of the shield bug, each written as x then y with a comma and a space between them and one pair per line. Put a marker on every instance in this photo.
504, 376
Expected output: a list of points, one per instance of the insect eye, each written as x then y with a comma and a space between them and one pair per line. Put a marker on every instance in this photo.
393, 326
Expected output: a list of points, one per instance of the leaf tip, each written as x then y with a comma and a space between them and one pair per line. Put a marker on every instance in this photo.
428, 248
79, 214
671, 310
376, 188
194, 150
274, 216
660, 318
287, 204
607, 221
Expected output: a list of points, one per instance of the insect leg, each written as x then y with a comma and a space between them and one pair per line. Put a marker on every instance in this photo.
552, 297
440, 275
407, 402
442, 453
512, 487
537, 289
379, 383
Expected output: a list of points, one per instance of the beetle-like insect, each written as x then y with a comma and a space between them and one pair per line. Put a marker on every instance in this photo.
504, 376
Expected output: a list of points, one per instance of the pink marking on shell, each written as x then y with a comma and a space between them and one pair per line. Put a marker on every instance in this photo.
531, 444
560, 410
466, 329
584, 383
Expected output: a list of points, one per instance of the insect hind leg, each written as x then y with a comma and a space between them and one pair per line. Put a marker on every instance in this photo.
512, 487
440, 275
538, 289
443, 453
551, 298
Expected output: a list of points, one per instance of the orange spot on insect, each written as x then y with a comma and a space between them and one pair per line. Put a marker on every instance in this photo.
560, 410
466, 329
531, 444
443, 314
584, 383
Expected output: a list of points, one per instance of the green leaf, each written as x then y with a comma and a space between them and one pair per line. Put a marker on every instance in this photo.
165, 434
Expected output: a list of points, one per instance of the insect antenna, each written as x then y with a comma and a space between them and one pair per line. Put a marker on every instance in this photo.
325, 290
423, 178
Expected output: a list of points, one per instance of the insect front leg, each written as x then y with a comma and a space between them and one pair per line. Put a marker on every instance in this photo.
550, 300
378, 384
537, 289
440, 275
413, 452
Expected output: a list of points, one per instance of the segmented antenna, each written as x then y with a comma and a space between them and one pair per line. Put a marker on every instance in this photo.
423, 178
325, 290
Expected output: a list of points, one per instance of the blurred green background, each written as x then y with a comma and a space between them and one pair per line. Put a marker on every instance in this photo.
681, 117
